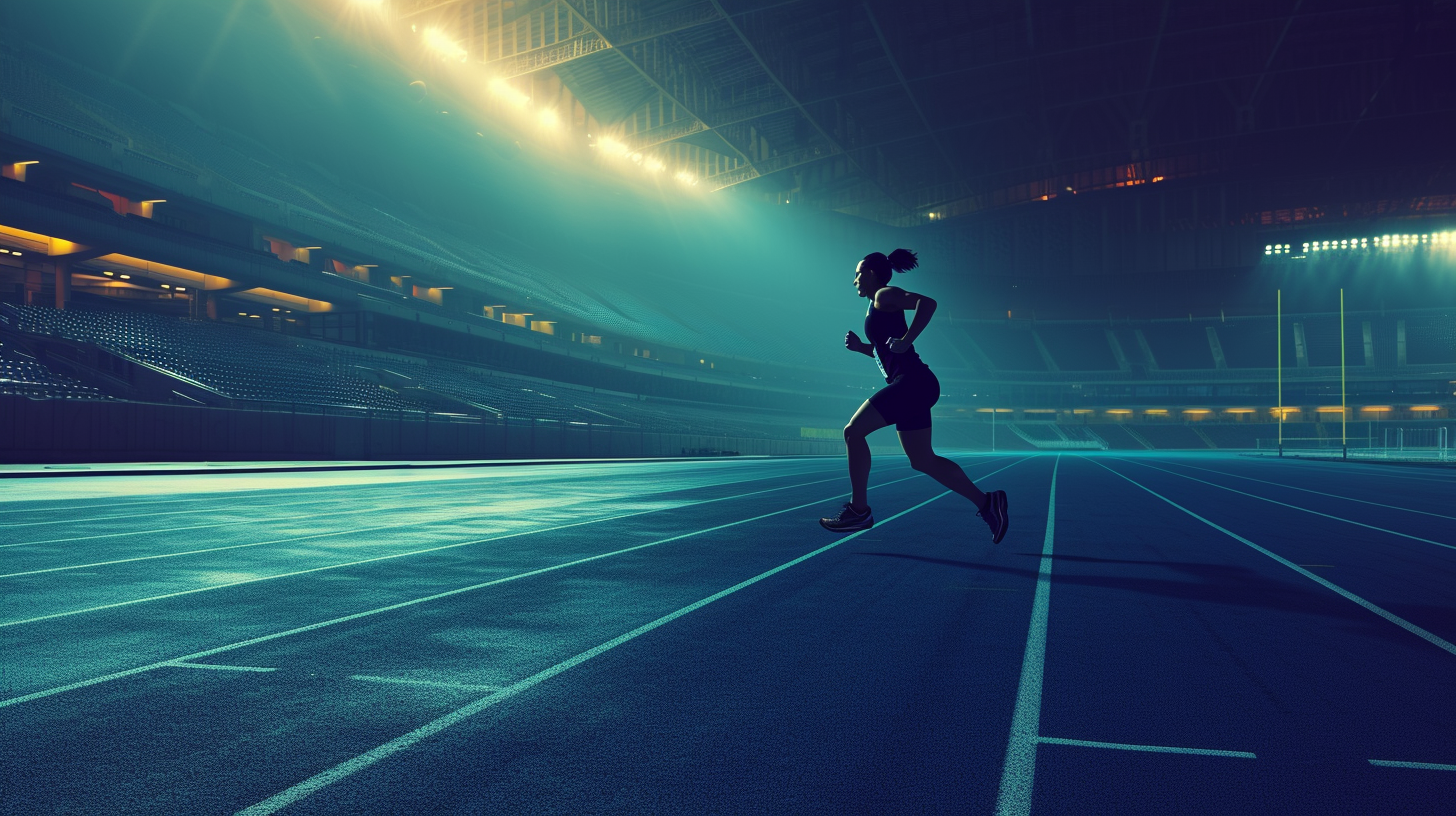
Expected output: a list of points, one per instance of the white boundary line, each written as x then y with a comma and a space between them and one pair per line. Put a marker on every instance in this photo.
1157, 749
426, 523
370, 678
1424, 766
1018, 774
439, 506
347, 768
1280, 503
219, 667
180, 593
1304, 489
391, 607
1433, 639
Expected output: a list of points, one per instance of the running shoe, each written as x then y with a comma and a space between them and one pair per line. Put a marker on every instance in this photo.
995, 515
849, 520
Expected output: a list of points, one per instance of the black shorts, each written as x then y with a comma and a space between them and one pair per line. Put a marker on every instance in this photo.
906, 401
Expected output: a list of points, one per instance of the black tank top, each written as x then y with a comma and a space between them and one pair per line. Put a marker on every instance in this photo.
880, 326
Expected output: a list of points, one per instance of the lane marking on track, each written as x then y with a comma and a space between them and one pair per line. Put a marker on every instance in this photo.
1308, 490
1425, 766
390, 556
436, 508
1433, 639
369, 678
1284, 504
350, 490
1019, 772
347, 768
403, 604
219, 667
1159, 749
443, 506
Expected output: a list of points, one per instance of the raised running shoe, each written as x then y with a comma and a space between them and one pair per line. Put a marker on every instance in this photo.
995, 515
849, 520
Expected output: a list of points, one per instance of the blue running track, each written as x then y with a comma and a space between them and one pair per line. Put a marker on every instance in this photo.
1158, 634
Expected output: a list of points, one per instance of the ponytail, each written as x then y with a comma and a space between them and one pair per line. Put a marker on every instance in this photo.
901, 260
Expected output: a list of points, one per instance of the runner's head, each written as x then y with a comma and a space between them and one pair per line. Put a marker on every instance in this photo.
876, 269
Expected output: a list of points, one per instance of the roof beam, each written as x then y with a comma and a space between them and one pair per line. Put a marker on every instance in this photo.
829, 138
915, 103
670, 86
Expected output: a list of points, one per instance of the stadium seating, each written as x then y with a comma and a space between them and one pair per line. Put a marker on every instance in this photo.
1171, 437
23, 376
1077, 346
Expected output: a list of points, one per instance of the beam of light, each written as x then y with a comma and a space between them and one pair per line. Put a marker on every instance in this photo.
503, 90
439, 41
687, 178
654, 165
548, 119
611, 146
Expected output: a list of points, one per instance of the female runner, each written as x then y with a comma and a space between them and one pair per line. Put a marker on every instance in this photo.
905, 401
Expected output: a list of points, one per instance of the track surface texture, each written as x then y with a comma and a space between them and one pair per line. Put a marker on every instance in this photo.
1157, 634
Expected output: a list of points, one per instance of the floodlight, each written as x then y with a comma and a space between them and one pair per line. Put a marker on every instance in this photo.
654, 165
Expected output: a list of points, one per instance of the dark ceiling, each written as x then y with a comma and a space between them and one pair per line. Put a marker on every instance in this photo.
906, 112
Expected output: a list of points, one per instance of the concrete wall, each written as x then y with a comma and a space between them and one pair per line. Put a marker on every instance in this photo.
56, 431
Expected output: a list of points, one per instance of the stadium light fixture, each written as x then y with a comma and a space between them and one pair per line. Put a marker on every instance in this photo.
166, 286
440, 42
108, 273
126, 277
181, 289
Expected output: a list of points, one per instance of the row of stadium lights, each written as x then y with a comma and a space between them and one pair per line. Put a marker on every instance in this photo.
440, 42
1401, 241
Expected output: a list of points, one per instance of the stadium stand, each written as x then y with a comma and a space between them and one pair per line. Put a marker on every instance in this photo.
1431, 339
1116, 436
1010, 348
1077, 346
1171, 437
1237, 436
1250, 343
233, 361
21, 375
1178, 345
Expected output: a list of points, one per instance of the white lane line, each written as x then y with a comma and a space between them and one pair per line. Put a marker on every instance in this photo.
347, 768
219, 667
1424, 766
1435, 640
1018, 774
1158, 749
436, 508
1284, 504
1308, 490
369, 678
360, 493
401, 605
180, 593
439, 506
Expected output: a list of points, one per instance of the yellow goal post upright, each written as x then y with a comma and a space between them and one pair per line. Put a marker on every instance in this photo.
1344, 411
1279, 359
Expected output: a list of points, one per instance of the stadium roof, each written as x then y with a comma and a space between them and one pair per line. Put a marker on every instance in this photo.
906, 112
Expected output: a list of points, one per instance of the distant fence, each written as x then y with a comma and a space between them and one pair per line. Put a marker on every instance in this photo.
58, 431
1429, 444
